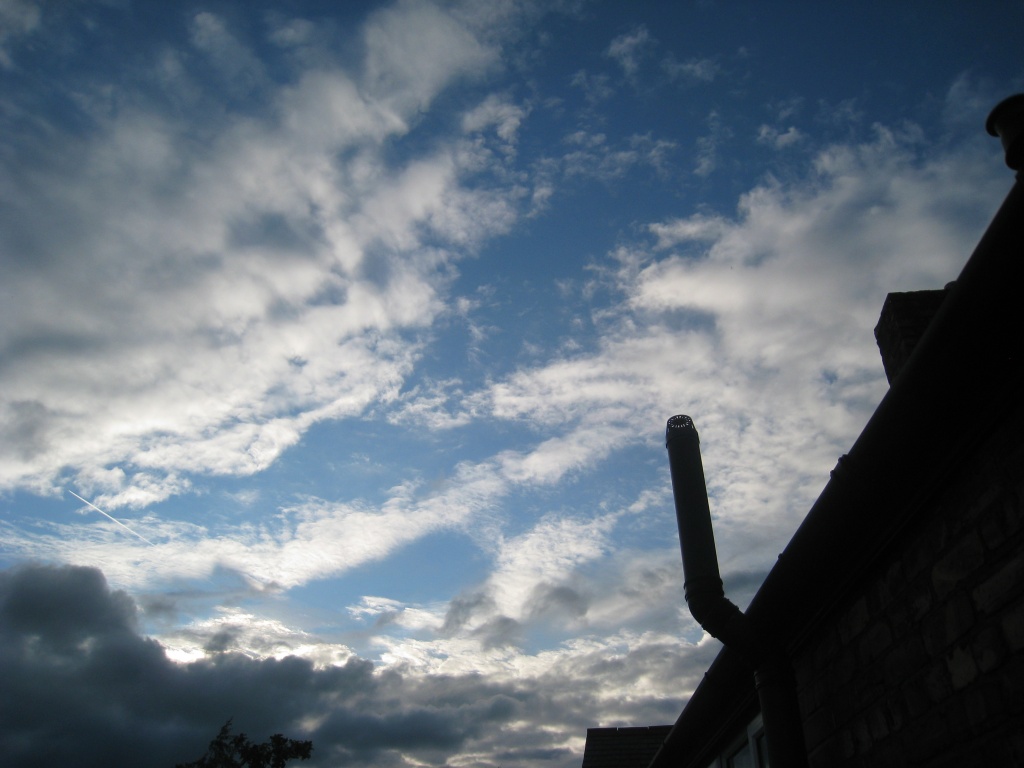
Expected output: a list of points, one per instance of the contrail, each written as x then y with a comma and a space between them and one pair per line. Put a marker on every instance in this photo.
114, 519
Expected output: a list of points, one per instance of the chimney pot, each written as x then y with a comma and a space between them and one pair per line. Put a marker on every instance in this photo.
1006, 121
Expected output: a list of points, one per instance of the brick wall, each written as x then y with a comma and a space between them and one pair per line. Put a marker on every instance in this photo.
925, 665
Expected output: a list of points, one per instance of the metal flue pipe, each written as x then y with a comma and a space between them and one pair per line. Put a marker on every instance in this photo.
705, 597
702, 581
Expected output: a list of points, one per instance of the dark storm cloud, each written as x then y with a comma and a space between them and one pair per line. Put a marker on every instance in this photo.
221, 641
81, 686
557, 601
462, 608
159, 607
499, 632
59, 609
27, 425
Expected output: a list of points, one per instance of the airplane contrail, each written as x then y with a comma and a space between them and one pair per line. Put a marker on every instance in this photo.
114, 519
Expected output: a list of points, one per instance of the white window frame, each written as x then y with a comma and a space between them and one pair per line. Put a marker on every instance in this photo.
749, 736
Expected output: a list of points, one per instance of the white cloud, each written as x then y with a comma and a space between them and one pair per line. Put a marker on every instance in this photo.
17, 18
777, 139
691, 71
707, 145
546, 554
759, 326
292, 32
415, 49
306, 542
554, 458
627, 49
699, 228
375, 606
235, 62
434, 405
200, 305
498, 112
784, 109
842, 113
595, 88
232, 630
593, 156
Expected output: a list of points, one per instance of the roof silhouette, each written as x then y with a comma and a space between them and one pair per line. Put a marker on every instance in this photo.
623, 747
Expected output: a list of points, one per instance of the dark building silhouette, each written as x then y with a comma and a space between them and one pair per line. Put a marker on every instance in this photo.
898, 605
623, 747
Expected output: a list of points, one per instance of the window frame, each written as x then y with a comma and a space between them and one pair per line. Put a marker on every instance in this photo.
751, 736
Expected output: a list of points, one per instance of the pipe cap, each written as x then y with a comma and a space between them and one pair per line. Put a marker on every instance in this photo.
680, 426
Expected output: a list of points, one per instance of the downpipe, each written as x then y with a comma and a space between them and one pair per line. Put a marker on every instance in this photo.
720, 617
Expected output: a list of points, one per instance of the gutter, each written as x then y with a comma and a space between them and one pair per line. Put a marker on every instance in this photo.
952, 391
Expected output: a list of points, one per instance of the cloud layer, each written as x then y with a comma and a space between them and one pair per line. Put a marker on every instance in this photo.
83, 687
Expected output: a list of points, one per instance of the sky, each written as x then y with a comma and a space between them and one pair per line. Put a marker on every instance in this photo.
337, 342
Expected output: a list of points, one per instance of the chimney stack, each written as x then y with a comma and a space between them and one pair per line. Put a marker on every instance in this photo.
904, 319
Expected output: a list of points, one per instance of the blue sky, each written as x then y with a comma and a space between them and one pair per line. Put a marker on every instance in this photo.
361, 323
